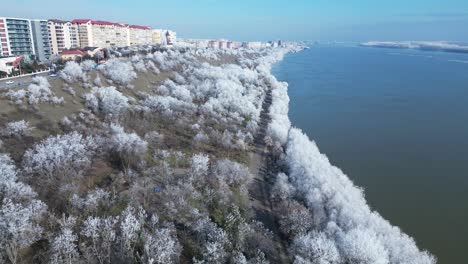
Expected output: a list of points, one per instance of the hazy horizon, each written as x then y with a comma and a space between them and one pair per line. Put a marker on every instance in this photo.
433, 20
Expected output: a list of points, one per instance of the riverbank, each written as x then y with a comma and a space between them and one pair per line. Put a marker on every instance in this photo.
344, 225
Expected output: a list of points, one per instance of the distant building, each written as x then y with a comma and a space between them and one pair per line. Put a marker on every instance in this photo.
222, 44
253, 45
139, 35
102, 34
170, 37
63, 35
156, 36
40, 32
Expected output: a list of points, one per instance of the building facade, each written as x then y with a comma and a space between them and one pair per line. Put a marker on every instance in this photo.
139, 35
104, 34
24, 37
41, 41
63, 36
18, 38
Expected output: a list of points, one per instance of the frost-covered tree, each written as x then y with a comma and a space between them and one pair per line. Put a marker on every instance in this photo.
106, 100
60, 156
295, 219
119, 71
101, 236
17, 129
282, 189
334, 201
88, 65
72, 72
162, 246
232, 173
199, 167
19, 227
315, 248
131, 223
37, 92
64, 248
128, 147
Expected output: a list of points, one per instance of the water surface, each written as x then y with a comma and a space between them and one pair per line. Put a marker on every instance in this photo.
396, 122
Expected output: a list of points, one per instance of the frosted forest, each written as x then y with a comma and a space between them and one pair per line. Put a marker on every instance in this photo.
181, 155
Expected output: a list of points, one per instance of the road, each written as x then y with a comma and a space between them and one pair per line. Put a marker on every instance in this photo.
264, 168
23, 81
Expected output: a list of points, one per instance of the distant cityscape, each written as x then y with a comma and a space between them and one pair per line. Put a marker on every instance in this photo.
40, 39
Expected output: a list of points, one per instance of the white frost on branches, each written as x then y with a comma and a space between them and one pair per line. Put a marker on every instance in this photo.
119, 71
106, 100
60, 155
37, 92
73, 72
17, 129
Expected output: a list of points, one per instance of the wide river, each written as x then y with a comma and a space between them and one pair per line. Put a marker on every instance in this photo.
396, 122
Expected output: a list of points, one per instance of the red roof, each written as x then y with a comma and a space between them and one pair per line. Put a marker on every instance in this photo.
17, 61
139, 27
72, 52
106, 23
81, 21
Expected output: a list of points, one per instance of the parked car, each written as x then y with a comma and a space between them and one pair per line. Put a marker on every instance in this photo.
53, 75
10, 82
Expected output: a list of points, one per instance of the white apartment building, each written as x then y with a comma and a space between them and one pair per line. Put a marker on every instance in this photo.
103, 34
16, 36
139, 35
23, 37
63, 36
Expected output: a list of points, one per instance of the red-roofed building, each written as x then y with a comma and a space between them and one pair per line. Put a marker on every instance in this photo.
103, 34
7, 64
62, 35
139, 35
71, 54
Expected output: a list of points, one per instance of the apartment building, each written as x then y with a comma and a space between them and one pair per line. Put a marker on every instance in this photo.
24, 37
41, 41
16, 36
63, 36
139, 35
156, 36
104, 34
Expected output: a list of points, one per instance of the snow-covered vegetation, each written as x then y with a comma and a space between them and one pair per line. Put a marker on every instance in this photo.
16, 129
340, 226
119, 71
37, 92
161, 172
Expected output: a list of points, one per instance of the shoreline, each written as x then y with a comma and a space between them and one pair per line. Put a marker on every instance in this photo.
331, 195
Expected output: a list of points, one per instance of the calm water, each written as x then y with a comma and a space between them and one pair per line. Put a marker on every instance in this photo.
395, 121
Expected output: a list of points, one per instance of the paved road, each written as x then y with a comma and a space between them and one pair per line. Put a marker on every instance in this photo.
23, 81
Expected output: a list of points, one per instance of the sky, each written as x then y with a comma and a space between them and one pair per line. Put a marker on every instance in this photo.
313, 20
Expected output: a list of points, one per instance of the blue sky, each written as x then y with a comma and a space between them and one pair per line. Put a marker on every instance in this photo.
341, 20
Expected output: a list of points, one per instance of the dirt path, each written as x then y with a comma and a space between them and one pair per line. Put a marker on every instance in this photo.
264, 170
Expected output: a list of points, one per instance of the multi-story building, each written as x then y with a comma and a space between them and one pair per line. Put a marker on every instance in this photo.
63, 36
4, 51
23, 37
41, 41
95, 33
17, 38
168, 37
157, 36
84, 28
139, 35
